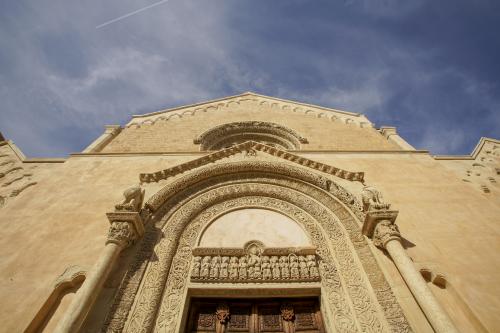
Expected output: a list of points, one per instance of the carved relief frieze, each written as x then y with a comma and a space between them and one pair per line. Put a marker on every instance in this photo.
254, 263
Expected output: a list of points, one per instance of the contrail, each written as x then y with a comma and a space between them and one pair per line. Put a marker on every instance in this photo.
130, 14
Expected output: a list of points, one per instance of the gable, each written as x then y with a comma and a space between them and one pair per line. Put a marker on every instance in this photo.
177, 129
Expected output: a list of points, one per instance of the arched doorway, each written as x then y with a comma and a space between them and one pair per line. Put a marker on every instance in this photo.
354, 293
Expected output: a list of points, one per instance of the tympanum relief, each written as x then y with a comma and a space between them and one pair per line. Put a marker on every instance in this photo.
254, 263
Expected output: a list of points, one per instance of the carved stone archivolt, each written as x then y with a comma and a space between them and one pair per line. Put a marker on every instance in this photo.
254, 263
226, 135
349, 273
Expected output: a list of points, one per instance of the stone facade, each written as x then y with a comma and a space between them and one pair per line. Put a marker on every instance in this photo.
139, 222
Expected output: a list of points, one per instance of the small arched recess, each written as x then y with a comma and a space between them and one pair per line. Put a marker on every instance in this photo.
271, 134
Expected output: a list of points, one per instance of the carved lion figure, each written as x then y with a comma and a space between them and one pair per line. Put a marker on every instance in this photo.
133, 198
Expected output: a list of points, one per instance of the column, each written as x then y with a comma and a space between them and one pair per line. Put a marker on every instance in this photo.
379, 225
125, 228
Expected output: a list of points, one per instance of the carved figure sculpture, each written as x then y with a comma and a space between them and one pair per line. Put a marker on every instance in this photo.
266, 268
313, 269
195, 271
285, 270
133, 198
254, 262
243, 268
224, 265
205, 268
294, 267
233, 268
304, 270
214, 267
372, 199
275, 267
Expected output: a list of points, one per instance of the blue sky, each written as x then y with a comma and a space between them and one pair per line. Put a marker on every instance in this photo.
431, 68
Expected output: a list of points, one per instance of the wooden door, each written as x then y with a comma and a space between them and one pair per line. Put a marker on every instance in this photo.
255, 316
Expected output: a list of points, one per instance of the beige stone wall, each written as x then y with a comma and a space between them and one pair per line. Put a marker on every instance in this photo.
175, 130
450, 226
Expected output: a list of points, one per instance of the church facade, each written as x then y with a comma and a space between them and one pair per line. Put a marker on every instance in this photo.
250, 214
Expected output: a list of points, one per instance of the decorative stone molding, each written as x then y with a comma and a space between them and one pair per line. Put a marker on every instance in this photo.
224, 135
243, 148
71, 276
254, 263
180, 263
266, 103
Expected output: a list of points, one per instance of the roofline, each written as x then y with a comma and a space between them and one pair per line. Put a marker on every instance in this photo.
472, 155
248, 93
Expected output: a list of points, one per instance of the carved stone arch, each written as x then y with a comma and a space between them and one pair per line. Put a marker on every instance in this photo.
225, 135
184, 205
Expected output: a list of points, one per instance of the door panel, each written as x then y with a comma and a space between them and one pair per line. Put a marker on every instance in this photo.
256, 316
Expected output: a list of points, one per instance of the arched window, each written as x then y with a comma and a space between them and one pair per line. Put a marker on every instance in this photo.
271, 134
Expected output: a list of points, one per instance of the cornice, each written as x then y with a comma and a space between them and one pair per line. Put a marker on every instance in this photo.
245, 94
203, 153
472, 155
250, 147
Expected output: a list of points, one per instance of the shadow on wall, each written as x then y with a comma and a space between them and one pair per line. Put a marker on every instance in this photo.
461, 314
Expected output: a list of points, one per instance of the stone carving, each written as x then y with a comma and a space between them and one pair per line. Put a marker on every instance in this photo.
372, 199
243, 148
254, 263
133, 198
287, 312
222, 313
385, 231
141, 318
264, 103
270, 133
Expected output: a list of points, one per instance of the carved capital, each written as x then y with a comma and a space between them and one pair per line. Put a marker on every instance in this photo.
374, 217
384, 232
125, 228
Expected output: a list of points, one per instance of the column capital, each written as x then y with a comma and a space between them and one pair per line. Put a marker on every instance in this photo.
380, 226
385, 231
126, 227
